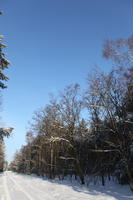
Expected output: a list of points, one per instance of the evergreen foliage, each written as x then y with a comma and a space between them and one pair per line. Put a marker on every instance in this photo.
3, 65
4, 132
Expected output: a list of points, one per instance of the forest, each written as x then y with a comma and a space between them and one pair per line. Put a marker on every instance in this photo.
66, 100
87, 132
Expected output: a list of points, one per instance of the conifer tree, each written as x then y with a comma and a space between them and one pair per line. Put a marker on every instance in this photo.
3, 63
4, 132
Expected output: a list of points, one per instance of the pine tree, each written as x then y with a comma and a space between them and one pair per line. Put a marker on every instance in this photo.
4, 132
3, 63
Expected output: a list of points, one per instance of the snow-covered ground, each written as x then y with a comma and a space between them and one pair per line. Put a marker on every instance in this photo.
23, 187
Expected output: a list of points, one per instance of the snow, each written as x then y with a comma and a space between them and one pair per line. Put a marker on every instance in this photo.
14, 186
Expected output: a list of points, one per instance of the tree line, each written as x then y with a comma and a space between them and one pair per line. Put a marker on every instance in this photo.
86, 133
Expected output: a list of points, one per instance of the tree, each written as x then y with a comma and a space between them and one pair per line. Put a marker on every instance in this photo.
110, 101
3, 65
120, 51
3, 62
1, 155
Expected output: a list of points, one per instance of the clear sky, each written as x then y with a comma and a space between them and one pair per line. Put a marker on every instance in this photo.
52, 43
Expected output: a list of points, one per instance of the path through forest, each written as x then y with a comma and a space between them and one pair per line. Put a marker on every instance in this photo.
23, 187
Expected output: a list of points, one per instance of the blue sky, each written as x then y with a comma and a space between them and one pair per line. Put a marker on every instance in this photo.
51, 44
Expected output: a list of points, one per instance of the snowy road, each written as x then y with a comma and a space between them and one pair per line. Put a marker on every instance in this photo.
21, 187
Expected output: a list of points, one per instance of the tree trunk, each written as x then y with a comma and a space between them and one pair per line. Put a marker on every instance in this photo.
79, 171
130, 177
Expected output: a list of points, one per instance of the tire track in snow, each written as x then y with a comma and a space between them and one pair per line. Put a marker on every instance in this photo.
20, 189
42, 195
7, 194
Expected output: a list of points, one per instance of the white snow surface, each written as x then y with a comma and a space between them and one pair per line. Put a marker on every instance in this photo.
14, 186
